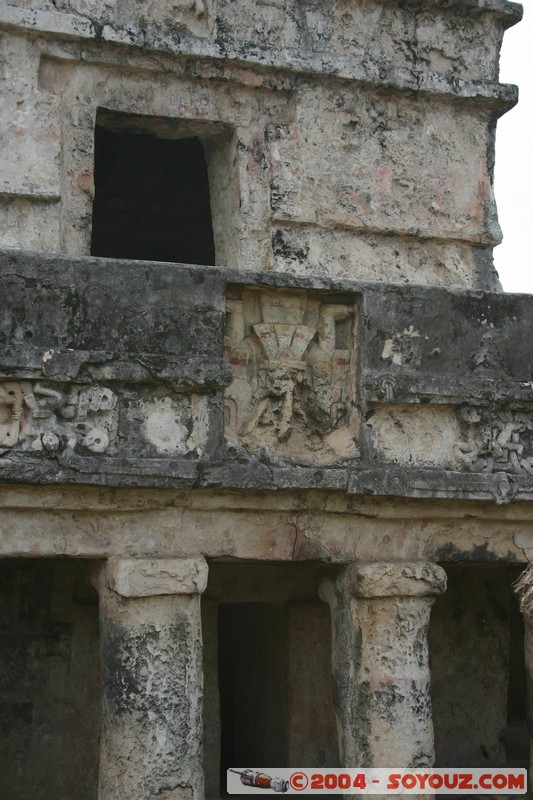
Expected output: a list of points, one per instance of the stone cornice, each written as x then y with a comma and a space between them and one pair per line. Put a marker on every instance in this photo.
286, 60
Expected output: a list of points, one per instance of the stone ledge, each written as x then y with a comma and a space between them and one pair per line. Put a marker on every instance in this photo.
359, 480
503, 8
65, 364
35, 193
61, 24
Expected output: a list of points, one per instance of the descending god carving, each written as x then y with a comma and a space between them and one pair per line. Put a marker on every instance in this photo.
497, 441
293, 363
44, 416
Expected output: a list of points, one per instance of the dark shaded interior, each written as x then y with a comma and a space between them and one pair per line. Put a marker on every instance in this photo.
253, 685
49, 681
269, 673
478, 685
268, 680
151, 198
516, 733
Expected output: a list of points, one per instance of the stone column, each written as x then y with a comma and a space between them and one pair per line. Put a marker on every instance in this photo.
524, 591
380, 617
152, 679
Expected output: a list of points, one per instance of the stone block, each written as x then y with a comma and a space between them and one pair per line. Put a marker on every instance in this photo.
131, 577
31, 143
409, 579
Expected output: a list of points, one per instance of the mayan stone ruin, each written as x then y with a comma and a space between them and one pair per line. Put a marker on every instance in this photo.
266, 415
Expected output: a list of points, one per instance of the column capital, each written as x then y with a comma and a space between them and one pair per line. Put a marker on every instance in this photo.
391, 579
146, 577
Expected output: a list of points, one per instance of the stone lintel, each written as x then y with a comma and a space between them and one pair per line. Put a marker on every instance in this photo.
144, 577
395, 579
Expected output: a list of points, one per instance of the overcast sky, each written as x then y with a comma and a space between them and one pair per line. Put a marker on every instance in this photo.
514, 161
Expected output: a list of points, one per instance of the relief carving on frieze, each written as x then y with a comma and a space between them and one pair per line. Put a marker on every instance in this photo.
293, 360
42, 416
495, 441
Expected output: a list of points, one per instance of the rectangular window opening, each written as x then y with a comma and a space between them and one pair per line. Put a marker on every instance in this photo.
152, 198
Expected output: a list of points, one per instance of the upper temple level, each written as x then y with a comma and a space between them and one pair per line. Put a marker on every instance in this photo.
342, 139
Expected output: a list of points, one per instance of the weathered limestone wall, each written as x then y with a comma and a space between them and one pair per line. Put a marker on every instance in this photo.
49, 680
340, 141
284, 406
310, 686
200, 381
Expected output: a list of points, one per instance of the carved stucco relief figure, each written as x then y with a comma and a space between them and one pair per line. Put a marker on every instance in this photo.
16, 404
293, 391
40, 416
499, 441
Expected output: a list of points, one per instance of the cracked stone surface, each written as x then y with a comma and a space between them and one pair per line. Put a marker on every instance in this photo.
344, 399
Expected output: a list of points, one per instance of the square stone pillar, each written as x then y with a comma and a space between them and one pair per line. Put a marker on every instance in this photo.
380, 617
524, 591
152, 679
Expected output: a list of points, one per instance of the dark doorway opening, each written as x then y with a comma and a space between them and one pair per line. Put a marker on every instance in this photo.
253, 687
478, 685
151, 195
268, 682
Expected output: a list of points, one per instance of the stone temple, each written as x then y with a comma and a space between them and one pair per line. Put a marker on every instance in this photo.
266, 416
